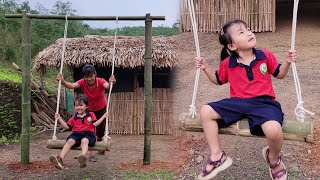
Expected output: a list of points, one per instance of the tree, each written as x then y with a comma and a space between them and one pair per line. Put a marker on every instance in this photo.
9, 6
61, 8
25, 6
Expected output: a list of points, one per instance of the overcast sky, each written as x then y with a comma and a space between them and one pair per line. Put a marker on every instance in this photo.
167, 8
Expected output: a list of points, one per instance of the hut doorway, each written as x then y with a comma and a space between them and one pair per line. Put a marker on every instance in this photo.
127, 99
308, 10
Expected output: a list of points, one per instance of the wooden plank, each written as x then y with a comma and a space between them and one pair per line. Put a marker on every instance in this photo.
292, 130
99, 146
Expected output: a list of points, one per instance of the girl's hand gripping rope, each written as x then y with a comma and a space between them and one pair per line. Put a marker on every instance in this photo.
200, 63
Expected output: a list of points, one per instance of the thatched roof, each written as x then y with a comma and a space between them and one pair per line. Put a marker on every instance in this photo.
98, 50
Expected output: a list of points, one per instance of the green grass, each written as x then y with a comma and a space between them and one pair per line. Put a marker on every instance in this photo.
10, 75
50, 77
123, 175
141, 175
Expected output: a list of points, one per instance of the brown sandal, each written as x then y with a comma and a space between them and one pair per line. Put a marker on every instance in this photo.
282, 174
57, 162
218, 166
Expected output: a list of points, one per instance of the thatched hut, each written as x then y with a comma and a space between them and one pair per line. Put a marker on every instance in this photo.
127, 99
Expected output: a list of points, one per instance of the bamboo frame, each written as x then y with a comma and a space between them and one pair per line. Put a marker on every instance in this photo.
92, 18
26, 61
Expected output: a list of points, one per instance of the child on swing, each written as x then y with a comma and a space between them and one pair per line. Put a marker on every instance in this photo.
82, 124
94, 88
248, 71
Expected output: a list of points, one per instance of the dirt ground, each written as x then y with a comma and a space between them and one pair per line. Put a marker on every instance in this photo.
184, 152
126, 154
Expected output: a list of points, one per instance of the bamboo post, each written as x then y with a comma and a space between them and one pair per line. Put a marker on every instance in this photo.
273, 15
26, 92
147, 90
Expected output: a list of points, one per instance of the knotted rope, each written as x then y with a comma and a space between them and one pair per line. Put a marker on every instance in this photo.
106, 136
299, 110
192, 110
54, 137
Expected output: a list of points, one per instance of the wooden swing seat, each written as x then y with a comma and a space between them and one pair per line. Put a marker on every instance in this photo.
99, 146
292, 130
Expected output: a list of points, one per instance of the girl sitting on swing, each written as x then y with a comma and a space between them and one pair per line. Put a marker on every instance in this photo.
82, 124
248, 71
94, 88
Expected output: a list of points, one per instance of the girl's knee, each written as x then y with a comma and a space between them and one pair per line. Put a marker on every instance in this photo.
273, 131
71, 142
84, 141
275, 136
208, 113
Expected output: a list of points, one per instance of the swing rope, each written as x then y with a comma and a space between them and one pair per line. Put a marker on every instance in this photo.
192, 110
106, 136
54, 137
299, 110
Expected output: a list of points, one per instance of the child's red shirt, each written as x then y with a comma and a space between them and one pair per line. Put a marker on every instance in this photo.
249, 81
84, 124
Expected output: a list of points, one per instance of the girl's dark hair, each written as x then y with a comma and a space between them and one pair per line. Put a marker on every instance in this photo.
225, 38
80, 99
88, 69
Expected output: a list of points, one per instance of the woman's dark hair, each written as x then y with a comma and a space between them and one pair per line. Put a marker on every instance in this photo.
88, 69
225, 38
80, 99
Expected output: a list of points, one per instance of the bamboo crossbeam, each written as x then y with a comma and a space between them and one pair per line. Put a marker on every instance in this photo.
93, 18
292, 130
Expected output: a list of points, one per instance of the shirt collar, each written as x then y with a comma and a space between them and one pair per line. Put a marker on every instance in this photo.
234, 61
96, 82
76, 115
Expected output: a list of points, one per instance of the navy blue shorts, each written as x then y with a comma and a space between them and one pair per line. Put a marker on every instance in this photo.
258, 110
78, 136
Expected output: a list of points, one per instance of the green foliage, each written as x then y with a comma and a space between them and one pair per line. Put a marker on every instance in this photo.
9, 128
137, 31
10, 110
10, 31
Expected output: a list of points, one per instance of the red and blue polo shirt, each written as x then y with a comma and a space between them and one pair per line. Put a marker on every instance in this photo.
96, 96
249, 81
82, 124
